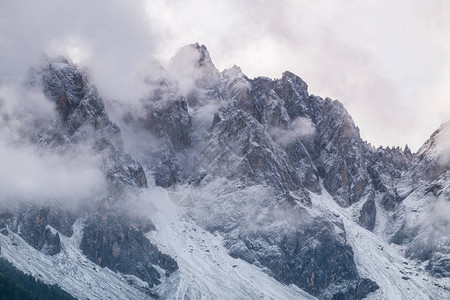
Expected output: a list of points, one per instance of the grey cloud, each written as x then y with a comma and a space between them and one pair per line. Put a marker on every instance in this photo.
20, 107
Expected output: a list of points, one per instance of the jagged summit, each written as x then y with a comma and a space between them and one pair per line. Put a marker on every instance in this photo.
83, 117
192, 67
437, 144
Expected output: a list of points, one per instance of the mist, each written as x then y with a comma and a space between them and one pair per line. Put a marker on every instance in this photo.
299, 128
112, 38
34, 174
39, 177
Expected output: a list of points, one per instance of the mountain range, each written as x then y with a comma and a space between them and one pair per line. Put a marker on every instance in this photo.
217, 186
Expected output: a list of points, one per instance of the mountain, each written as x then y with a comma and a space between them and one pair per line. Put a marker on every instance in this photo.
233, 188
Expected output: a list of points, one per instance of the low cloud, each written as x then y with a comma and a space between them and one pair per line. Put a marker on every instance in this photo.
192, 67
298, 129
183, 67
34, 174
39, 176
441, 210
21, 107
114, 39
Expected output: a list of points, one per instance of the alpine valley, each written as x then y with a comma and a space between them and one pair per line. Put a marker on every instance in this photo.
217, 186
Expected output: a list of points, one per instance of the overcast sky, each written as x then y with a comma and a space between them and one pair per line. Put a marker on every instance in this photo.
387, 61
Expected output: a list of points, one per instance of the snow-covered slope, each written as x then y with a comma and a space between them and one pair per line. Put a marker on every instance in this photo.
70, 269
383, 262
206, 270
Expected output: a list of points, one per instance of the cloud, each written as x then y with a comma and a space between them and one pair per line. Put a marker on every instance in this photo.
37, 176
33, 174
298, 129
20, 107
113, 38
441, 211
184, 68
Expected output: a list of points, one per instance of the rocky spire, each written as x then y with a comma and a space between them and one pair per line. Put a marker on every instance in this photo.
192, 67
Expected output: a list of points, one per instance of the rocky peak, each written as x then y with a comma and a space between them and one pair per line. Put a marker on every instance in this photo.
192, 67
433, 158
235, 81
298, 83
83, 119
204, 58
339, 151
407, 151
234, 71
61, 82
437, 146
294, 93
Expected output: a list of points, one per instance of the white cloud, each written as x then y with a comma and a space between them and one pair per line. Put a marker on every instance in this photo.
113, 38
19, 107
299, 128
34, 174
30, 175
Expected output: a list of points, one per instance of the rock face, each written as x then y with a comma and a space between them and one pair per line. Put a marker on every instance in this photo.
386, 167
170, 123
239, 147
341, 160
33, 222
432, 159
32, 227
110, 241
315, 258
368, 214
